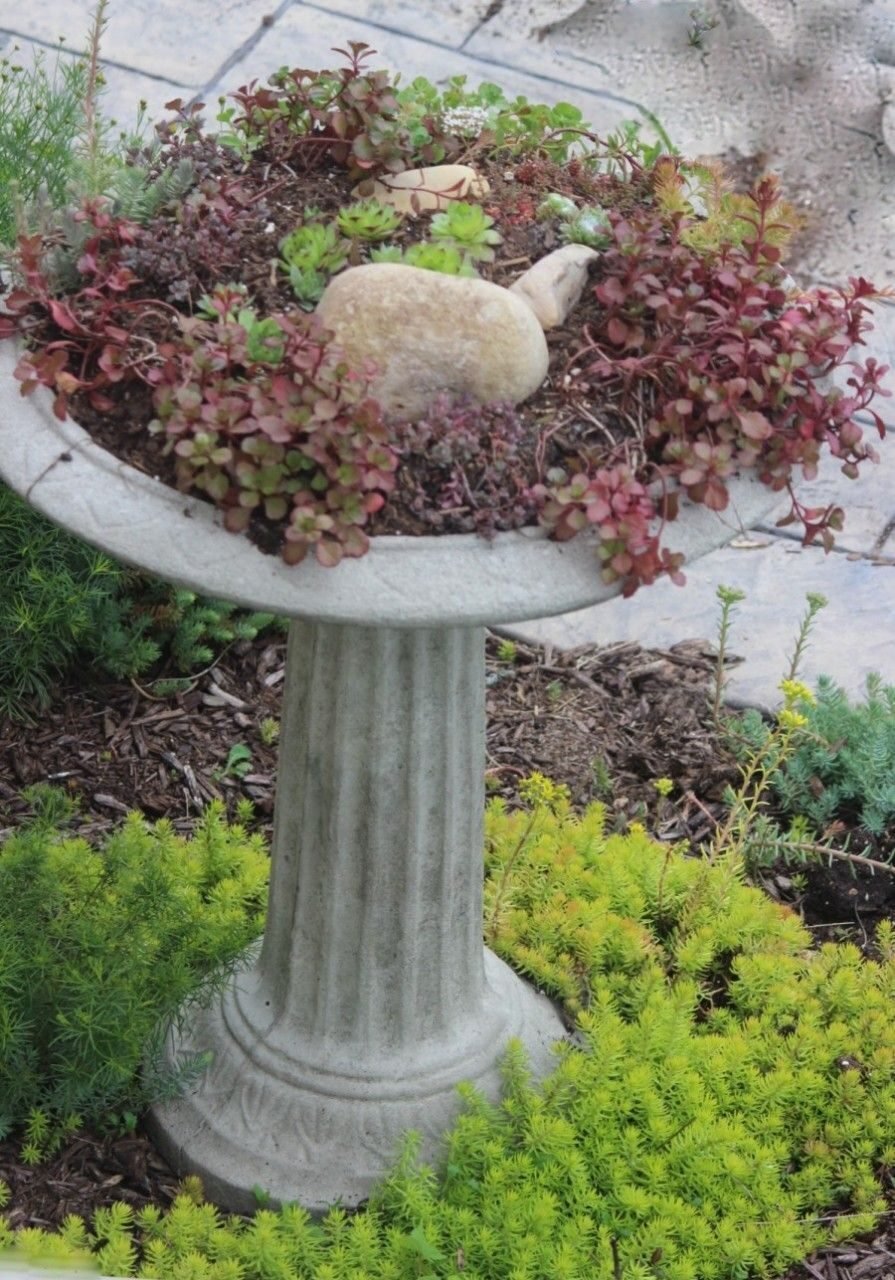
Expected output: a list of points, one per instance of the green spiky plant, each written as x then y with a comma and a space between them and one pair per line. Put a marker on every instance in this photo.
727, 1087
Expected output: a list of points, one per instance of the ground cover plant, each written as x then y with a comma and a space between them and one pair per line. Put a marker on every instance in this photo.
65, 603
726, 1087
690, 357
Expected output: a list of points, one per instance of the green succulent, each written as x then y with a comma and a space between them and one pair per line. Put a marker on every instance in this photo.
311, 254
555, 205
445, 258
467, 228
368, 220
589, 226
264, 337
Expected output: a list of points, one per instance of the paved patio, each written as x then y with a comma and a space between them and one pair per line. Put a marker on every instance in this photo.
156, 50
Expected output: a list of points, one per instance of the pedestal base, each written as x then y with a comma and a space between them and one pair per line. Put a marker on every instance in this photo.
266, 1115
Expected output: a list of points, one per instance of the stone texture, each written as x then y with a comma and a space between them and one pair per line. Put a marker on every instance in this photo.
852, 637
447, 22
553, 286
124, 89
424, 190
305, 36
187, 44
803, 83
427, 332
373, 996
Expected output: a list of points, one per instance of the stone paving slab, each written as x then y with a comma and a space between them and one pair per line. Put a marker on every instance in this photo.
852, 636
445, 22
184, 43
124, 89
305, 36
868, 502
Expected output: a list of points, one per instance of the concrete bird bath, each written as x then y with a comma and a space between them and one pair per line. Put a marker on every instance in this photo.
373, 995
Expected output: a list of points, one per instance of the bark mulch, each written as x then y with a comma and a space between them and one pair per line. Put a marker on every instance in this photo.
606, 722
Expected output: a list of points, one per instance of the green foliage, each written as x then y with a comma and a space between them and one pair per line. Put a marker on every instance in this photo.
263, 336
98, 950
59, 599
727, 1087
556, 205
63, 602
40, 121
446, 258
843, 764
697, 190
311, 254
516, 127
467, 228
368, 220
138, 193
589, 226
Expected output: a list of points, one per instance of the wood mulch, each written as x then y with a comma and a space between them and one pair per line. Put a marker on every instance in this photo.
606, 722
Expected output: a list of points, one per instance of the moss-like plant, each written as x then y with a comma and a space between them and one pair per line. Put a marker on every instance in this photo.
63, 602
98, 948
843, 763
727, 1088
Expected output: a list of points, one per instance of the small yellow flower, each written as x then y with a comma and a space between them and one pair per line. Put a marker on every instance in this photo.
795, 691
789, 719
664, 786
537, 790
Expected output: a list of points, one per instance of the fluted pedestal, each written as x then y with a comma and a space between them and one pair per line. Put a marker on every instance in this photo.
373, 996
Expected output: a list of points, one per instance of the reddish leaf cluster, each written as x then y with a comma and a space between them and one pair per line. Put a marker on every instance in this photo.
467, 468
109, 332
293, 436
726, 368
623, 512
349, 115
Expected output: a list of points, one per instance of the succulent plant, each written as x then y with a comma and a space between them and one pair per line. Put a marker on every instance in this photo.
368, 220
469, 229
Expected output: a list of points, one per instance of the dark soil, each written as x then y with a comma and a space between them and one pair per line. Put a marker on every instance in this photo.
604, 721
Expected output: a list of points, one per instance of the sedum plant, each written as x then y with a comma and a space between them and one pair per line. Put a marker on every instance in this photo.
298, 440
725, 1089
65, 603
368, 220
843, 763
99, 948
311, 254
467, 228
428, 256
699, 356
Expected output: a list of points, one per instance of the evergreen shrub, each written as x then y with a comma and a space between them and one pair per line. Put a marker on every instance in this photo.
98, 948
62, 601
726, 1089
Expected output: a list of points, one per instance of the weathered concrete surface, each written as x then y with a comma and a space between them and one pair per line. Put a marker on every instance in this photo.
305, 36
185, 43
124, 89
445, 22
804, 84
852, 637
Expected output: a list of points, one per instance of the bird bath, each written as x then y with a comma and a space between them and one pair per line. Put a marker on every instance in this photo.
372, 996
